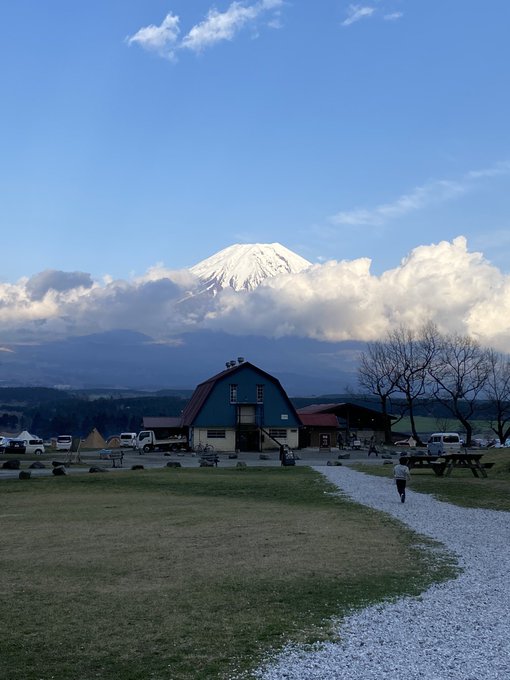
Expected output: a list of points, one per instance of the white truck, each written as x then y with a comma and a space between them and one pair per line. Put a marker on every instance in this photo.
147, 440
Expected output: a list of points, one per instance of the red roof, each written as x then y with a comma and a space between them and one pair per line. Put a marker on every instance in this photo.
318, 419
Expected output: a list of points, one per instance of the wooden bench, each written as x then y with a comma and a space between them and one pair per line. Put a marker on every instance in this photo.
487, 466
115, 457
209, 459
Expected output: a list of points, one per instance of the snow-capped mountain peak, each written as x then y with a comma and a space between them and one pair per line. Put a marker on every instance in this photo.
245, 266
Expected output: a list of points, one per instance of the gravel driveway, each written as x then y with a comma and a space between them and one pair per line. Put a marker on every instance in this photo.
458, 630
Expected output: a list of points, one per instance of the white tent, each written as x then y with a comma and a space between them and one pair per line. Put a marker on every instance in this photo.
25, 435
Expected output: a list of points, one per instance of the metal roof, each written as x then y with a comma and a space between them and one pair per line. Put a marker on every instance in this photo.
202, 392
318, 419
341, 409
150, 423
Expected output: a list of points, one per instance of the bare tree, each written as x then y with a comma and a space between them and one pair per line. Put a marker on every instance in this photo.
497, 391
459, 375
410, 354
376, 374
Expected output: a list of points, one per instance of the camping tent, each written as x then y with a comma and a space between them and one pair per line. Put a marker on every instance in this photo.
26, 436
94, 440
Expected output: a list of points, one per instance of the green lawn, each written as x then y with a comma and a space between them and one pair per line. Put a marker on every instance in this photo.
428, 425
461, 488
186, 574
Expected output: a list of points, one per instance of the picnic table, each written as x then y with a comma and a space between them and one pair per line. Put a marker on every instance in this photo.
464, 460
445, 464
424, 461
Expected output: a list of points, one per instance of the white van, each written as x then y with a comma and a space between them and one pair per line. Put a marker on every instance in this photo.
35, 446
441, 443
128, 439
64, 442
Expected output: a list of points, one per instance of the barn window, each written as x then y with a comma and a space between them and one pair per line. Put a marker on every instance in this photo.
233, 394
278, 433
215, 434
260, 394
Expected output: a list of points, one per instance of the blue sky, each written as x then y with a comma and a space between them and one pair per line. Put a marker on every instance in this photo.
137, 132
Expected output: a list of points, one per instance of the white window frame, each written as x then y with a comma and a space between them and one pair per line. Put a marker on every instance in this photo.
216, 434
278, 433
260, 394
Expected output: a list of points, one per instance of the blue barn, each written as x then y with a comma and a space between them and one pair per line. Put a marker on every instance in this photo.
241, 409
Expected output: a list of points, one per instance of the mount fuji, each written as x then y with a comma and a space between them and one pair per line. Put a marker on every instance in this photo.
245, 266
143, 355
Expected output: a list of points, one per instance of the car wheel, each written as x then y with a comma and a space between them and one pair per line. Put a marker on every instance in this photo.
146, 448
38, 452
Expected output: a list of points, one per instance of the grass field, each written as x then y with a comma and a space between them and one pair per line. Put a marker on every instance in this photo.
428, 425
186, 573
461, 488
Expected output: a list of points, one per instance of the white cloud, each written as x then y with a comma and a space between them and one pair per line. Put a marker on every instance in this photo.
356, 13
433, 192
418, 198
444, 282
457, 289
215, 28
497, 170
161, 39
393, 16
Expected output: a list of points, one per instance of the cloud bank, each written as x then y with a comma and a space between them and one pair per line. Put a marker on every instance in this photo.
217, 27
339, 300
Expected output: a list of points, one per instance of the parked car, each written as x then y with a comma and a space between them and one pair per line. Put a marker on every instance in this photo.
444, 442
128, 439
31, 446
410, 441
64, 442
13, 446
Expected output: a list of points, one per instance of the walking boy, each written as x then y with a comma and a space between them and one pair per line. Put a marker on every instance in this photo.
401, 475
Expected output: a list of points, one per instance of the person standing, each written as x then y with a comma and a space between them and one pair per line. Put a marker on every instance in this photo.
401, 476
372, 448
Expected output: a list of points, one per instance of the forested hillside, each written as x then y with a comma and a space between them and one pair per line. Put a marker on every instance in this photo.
48, 412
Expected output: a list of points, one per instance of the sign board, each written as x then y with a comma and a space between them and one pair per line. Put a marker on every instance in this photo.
325, 441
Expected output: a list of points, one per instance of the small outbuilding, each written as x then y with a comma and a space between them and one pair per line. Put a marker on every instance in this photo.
354, 421
320, 430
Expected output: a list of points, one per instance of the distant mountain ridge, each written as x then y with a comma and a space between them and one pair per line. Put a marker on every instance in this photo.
245, 266
130, 360
127, 359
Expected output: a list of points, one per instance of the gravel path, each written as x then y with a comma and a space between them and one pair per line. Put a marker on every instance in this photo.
457, 630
